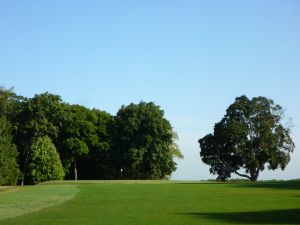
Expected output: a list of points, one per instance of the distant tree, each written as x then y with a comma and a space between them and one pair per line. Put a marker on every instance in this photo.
250, 136
143, 143
44, 163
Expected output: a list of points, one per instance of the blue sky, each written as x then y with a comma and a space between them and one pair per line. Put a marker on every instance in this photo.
190, 57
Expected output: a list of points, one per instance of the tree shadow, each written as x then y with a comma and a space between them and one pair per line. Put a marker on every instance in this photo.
283, 185
200, 183
284, 216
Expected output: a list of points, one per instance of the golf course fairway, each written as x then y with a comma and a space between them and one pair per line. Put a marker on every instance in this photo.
151, 203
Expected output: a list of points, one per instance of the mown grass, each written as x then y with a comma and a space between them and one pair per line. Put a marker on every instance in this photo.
7, 188
17, 201
153, 203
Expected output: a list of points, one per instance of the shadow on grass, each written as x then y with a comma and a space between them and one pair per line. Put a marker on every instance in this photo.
283, 185
279, 185
202, 183
284, 216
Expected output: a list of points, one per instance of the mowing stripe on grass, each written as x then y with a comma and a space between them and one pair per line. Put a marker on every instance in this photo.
30, 199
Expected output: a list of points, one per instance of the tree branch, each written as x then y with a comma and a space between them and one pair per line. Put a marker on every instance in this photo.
242, 175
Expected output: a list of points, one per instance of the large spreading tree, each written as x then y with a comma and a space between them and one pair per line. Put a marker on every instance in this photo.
250, 137
143, 143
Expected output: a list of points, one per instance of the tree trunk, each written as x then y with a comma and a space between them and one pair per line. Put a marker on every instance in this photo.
221, 179
254, 175
75, 170
22, 181
24, 168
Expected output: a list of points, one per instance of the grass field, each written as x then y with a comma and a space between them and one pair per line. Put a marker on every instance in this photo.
146, 202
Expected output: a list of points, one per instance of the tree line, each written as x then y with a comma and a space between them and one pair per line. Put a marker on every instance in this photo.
43, 138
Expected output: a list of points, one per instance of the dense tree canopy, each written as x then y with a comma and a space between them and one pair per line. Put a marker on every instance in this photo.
96, 164
251, 136
43, 133
33, 118
83, 140
143, 143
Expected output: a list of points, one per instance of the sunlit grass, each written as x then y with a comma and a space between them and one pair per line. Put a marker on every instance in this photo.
16, 201
154, 202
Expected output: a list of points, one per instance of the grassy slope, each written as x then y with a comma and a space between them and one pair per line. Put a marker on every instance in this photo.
168, 203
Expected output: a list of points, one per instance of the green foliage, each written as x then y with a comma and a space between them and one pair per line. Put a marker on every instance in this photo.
76, 147
44, 163
5, 101
84, 140
143, 143
96, 164
92, 140
9, 172
250, 136
36, 117
40, 116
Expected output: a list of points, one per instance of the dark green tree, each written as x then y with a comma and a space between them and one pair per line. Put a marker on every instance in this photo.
40, 116
84, 142
96, 164
9, 172
6, 97
76, 148
143, 143
251, 136
77, 131
35, 117
44, 162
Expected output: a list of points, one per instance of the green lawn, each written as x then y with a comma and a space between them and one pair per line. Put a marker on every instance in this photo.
145, 202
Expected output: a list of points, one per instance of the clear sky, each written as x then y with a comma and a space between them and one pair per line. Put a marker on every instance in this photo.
190, 57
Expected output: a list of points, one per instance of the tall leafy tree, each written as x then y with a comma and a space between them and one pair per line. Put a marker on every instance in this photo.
76, 148
143, 143
76, 132
44, 162
251, 136
84, 142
